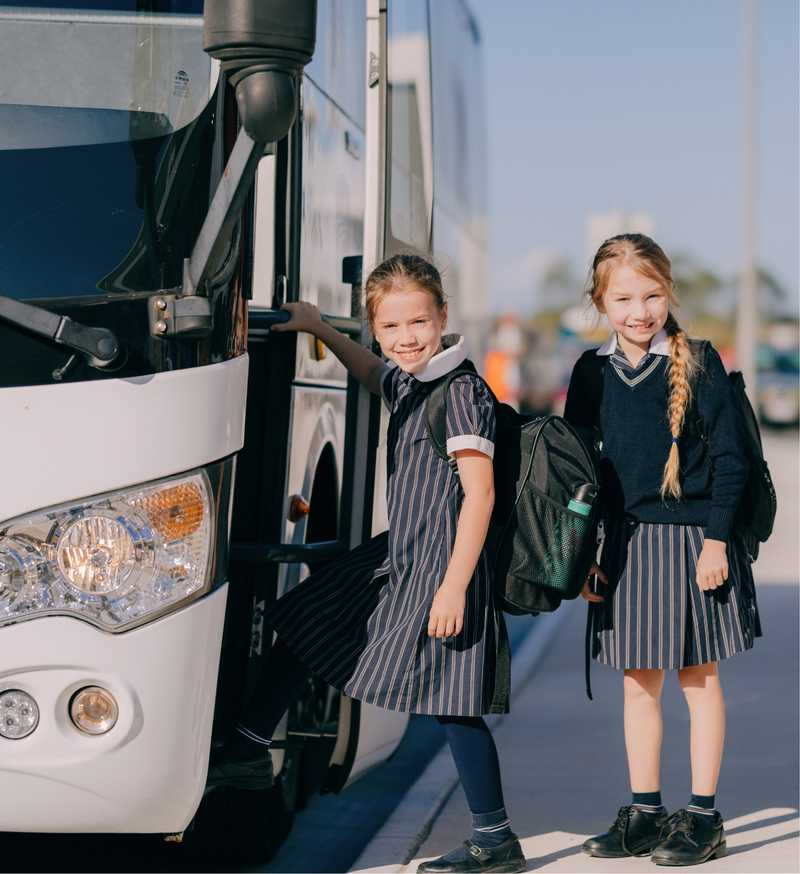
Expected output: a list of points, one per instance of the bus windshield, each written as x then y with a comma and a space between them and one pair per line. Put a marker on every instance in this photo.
106, 125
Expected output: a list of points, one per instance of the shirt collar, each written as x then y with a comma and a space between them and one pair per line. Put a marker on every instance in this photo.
452, 355
659, 345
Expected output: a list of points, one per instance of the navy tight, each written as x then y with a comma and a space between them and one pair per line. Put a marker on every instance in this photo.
475, 755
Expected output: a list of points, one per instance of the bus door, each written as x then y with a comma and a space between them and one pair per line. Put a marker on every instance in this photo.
305, 477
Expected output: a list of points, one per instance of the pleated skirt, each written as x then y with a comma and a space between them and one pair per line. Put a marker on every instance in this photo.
352, 624
656, 616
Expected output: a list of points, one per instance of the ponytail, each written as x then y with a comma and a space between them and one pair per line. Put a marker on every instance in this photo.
682, 366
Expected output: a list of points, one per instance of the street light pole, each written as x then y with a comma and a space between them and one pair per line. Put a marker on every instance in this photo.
747, 328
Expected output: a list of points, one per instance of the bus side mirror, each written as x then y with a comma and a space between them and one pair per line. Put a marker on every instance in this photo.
263, 46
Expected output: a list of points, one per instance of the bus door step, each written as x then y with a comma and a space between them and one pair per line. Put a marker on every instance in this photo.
288, 553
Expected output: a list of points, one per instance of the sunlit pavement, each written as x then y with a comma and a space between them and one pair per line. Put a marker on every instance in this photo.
563, 756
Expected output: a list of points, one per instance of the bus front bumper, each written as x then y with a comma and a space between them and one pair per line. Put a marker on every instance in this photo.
148, 773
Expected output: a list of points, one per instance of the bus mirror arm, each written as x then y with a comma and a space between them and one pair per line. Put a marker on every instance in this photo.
263, 49
187, 313
99, 346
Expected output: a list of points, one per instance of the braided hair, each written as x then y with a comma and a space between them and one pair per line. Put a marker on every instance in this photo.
646, 257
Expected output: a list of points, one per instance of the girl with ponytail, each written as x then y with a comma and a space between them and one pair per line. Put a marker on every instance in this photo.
675, 588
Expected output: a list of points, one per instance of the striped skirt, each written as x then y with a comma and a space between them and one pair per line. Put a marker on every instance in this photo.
656, 616
365, 633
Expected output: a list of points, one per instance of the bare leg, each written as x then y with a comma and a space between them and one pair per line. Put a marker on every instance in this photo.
701, 686
643, 728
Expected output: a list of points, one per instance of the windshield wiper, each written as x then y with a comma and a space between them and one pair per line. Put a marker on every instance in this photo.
100, 347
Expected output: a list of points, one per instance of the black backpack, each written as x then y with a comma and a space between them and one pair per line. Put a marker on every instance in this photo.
755, 515
542, 550
758, 505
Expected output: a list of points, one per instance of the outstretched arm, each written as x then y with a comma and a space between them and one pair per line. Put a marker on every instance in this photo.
366, 367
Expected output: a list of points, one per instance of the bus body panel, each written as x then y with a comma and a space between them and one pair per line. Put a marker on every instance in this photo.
148, 773
79, 439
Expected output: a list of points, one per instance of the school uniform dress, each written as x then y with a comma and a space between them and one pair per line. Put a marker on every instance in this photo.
362, 623
654, 614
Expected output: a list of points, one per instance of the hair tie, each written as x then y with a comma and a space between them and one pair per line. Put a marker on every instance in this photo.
674, 439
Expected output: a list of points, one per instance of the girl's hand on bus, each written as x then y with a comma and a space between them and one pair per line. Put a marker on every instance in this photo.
586, 592
447, 612
305, 317
712, 566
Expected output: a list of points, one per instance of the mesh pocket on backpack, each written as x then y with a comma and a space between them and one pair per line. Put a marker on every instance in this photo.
547, 545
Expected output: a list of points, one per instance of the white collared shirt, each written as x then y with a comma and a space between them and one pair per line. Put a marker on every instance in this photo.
659, 344
452, 356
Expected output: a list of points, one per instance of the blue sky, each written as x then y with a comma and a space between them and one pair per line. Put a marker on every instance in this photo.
601, 105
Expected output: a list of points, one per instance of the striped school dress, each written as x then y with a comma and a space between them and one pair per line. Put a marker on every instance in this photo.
362, 623
654, 614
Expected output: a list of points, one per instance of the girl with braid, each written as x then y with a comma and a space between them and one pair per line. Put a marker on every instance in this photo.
675, 588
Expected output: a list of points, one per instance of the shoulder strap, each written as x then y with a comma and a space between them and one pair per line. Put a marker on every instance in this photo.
436, 406
595, 377
699, 349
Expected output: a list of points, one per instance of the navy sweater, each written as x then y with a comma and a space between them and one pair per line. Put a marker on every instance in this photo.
636, 441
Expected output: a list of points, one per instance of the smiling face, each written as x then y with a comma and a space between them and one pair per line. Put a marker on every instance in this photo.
637, 306
408, 325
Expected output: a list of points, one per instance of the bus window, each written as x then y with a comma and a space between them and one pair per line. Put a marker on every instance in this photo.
338, 65
410, 170
460, 160
106, 126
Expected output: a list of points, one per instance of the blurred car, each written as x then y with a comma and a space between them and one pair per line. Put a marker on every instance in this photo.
779, 399
779, 379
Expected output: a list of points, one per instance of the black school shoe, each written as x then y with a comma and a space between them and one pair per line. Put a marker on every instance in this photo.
691, 838
506, 857
634, 833
251, 773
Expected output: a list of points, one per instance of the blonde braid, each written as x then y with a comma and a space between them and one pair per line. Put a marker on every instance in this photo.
681, 368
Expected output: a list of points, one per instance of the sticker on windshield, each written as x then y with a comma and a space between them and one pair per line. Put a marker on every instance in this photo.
180, 87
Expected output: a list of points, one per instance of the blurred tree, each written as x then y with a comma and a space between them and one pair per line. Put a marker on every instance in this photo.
768, 282
695, 283
559, 286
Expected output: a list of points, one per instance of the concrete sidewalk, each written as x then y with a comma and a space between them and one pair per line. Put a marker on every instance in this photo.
564, 772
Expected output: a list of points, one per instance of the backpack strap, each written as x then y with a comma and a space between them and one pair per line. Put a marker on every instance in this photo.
595, 376
585, 397
502, 676
436, 406
694, 421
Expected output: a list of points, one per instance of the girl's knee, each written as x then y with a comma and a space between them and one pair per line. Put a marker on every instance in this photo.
643, 684
696, 679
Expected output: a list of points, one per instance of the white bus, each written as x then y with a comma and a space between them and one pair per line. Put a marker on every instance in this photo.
169, 467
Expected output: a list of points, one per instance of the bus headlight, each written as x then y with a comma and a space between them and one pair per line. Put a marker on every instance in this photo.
116, 560
97, 552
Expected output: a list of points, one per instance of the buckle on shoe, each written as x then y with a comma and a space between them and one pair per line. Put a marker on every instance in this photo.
478, 853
